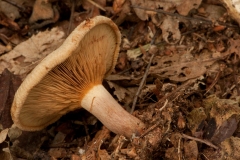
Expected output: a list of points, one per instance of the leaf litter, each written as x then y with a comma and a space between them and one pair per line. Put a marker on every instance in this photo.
188, 97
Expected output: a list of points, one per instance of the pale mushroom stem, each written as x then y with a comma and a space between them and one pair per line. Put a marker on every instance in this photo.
102, 105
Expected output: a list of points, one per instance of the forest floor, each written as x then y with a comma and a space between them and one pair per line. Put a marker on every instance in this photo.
178, 70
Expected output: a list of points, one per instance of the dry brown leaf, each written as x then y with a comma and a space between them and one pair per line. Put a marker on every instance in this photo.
180, 67
93, 7
57, 152
149, 4
117, 5
190, 150
213, 12
27, 54
3, 135
9, 10
134, 53
7, 22
14, 133
196, 119
42, 10
230, 149
170, 30
120, 92
125, 11
4, 49
103, 155
188, 5
5, 154
96, 143
224, 115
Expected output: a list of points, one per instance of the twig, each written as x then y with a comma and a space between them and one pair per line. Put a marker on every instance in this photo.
168, 129
179, 148
157, 124
200, 140
97, 5
14, 4
229, 90
164, 106
143, 79
214, 82
150, 129
205, 156
180, 89
216, 78
185, 17
71, 17
141, 84
86, 129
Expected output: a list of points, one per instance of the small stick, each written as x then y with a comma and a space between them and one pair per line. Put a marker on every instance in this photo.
205, 156
14, 4
215, 79
141, 84
150, 129
96, 5
86, 129
71, 17
185, 17
157, 124
214, 82
200, 140
164, 106
179, 148
143, 79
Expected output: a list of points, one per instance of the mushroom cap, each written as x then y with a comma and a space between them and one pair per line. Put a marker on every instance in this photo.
59, 82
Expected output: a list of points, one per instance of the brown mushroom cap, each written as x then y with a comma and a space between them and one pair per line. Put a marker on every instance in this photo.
63, 78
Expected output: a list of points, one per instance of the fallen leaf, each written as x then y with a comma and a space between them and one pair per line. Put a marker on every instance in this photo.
191, 150
224, 114
25, 56
42, 10
7, 22
3, 135
170, 30
188, 5
117, 5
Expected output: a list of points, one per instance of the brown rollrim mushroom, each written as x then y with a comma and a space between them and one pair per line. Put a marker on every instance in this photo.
71, 77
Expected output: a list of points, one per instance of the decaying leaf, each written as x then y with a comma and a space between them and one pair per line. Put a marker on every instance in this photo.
120, 92
230, 150
134, 53
196, 120
170, 29
24, 57
42, 10
96, 143
188, 5
144, 15
117, 5
180, 67
190, 150
3, 135
225, 115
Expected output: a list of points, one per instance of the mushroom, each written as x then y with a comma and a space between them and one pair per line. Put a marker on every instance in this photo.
71, 77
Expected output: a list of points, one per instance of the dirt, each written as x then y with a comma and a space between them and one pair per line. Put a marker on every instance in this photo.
177, 72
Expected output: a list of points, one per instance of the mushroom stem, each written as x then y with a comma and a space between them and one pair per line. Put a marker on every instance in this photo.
102, 105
